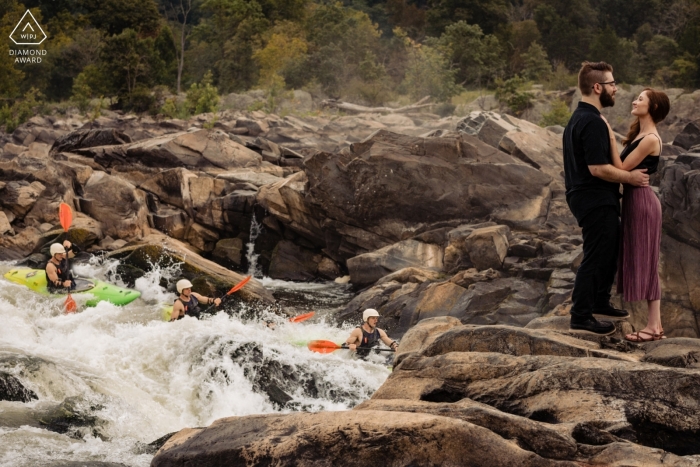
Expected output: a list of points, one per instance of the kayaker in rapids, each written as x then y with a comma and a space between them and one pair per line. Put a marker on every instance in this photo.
58, 273
188, 302
367, 336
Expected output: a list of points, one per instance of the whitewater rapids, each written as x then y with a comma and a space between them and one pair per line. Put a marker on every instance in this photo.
133, 378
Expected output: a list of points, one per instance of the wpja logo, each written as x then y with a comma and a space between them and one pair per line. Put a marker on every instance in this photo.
28, 32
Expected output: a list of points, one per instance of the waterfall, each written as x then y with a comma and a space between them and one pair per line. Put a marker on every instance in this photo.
252, 257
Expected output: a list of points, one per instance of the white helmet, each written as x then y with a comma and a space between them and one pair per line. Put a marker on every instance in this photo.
183, 284
368, 313
57, 248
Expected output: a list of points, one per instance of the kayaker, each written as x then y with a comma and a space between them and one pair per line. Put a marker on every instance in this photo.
58, 275
188, 302
368, 335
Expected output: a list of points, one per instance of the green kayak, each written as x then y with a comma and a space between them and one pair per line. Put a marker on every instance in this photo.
97, 290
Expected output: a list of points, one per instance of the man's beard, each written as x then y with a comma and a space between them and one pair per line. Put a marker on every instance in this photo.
606, 99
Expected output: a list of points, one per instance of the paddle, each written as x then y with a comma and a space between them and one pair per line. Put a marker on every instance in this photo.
300, 318
321, 346
65, 215
235, 288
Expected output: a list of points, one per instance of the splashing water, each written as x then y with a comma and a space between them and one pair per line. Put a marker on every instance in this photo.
127, 378
252, 257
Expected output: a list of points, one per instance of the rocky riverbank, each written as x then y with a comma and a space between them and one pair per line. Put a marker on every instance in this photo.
445, 225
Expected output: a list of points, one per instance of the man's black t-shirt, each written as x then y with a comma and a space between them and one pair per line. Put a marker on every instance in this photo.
587, 142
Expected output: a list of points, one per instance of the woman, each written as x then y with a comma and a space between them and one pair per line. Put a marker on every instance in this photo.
638, 277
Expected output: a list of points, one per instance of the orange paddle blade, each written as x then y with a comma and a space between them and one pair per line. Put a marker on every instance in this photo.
321, 346
65, 214
238, 286
70, 305
300, 318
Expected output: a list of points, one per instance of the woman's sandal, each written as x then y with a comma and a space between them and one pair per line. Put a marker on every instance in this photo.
661, 335
652, 337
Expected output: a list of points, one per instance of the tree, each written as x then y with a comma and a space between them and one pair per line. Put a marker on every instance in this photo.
178, 12
477, 58
487, 14
114, 16
10, 76
536, 65
620, 53
429, 74
128, 62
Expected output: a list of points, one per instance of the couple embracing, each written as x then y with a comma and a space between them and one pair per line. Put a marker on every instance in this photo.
624, 240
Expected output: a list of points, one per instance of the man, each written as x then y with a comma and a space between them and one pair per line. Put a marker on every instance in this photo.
58, 275
188, 302
593, 195
367, 336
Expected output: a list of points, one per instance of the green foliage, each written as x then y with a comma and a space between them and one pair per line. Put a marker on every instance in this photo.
536, 66
478, 58
510, 94
114, 16
21, 110
561, 79
429, 74
489, 14
202, 97
82, 93
559, 115
681, 73
622, 53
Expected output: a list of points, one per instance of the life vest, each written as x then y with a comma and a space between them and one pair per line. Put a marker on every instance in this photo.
63, 274
369, 341
191, 307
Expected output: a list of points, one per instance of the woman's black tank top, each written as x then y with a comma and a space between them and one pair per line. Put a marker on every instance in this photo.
651, 163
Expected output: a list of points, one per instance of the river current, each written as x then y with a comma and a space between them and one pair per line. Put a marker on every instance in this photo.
118, 378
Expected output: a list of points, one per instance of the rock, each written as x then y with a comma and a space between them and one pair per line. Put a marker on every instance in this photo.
487, 247
368, 186
254, 127
689, 137
89, 138
316, 439
19, 197
14, 247
11, 389
158, 249
424, 333
118, 205
533, 436
197, 149
676, 353
679, 193
563, 383
201, 237
228, 251
329, 269
5, 226
370, 267
293, 263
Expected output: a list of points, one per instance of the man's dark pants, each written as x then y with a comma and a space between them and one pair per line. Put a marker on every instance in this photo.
595, 276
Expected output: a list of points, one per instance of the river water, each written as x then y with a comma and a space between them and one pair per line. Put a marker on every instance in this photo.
126, 378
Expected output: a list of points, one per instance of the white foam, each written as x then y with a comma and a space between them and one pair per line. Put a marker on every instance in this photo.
145, 377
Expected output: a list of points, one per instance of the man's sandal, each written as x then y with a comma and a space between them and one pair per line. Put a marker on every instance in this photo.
652, 337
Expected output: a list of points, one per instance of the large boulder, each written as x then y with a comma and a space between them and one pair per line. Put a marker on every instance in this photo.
118, 205
689, 137
370, 267
19, 197
197, 149
355, 438
547, 377
383, 188
89, 138
209, 278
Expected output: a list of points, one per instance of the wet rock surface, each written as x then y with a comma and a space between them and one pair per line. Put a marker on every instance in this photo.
552, 398
11, 389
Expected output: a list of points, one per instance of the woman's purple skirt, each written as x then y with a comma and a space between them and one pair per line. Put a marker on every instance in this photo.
638, 265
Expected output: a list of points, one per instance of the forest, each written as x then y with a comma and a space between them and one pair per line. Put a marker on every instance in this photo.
135, 55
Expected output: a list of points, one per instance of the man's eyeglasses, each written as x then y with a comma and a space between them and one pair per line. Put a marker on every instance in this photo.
614, 83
